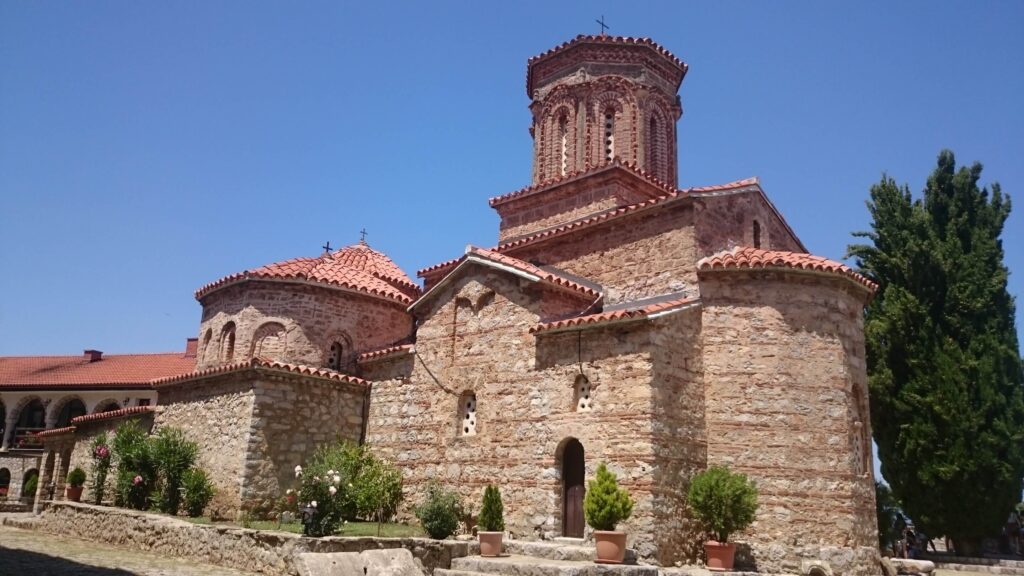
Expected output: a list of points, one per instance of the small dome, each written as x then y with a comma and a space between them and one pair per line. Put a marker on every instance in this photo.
358, 268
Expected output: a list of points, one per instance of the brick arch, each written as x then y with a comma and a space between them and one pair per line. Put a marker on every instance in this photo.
15, 415
270, 340
53, 412
204, 346
341, 360
658, 138
549, 153
618, 98
227, 342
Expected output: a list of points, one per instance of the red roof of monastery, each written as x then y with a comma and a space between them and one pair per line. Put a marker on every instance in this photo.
113, 371
111, 414
745, 257
602, 39
263, 364
558, 180
553, 278
385, 353
638, 313
358, 268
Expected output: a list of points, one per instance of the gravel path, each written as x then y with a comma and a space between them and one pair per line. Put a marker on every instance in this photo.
24, 552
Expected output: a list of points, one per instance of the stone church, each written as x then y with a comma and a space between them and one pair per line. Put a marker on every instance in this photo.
618, 319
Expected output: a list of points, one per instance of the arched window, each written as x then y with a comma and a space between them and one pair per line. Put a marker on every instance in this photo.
582, 395
654, 166
269, 341
757, 234
467, 414
335, 356
563, 143
72, 409
227, 342
609, 133
207, 338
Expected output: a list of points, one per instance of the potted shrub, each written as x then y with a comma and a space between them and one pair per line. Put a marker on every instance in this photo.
76, 479
604, 506
491, 522
724, 502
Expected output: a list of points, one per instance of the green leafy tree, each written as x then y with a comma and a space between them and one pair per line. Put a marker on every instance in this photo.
137, 468
377, 490
197, 491
944, 369
440, 511
174, 455
606, 504
492, 512
723, 501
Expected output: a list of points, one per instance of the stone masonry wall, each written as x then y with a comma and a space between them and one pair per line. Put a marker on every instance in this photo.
637, 256
216, 413
312, 318
784, 372
294, 416
526, 411
18, 466
723, 222
678, 433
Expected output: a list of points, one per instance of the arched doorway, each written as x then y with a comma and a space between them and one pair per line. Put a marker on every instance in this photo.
28, 483
573, 489
5, 483
31, 419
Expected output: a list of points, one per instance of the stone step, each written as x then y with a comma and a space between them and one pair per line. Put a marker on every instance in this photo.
571, 549
518, 565
1010, 562
1000, 568
450, 572
25, 522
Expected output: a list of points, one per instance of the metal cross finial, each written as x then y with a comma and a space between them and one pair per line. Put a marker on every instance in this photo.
327, 247
362, 234
603, 25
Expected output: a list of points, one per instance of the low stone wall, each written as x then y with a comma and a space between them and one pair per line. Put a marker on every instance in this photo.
272, 553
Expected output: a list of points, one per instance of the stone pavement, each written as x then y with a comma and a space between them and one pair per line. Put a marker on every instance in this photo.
28, 553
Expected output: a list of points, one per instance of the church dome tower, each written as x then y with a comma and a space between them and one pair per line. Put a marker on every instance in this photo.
596, 99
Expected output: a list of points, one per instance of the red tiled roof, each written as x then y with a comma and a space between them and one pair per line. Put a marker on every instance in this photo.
113, 371
613, 316
55, 432
616, 213
745, 257
558, 180
262, 364
112, 414
621, 40
358, 268
517, 264
385, 352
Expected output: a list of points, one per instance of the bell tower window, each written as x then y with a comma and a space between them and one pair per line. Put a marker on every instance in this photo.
563, 143
467, 414
227, 342
609, 134
652, 150
334, 359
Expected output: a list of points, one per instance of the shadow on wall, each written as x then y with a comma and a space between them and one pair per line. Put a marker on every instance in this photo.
15, 561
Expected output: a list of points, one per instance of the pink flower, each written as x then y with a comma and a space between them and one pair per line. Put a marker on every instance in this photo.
101, 451
137, 480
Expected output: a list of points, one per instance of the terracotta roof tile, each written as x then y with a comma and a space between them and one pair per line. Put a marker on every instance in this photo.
638, 313
112, 371
745, 257
112, 414
602, 38
55, 432
358, 268
547, 276
262, 364
385, 353
559, 180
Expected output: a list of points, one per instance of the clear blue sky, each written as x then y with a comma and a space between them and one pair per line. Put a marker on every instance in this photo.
147, 148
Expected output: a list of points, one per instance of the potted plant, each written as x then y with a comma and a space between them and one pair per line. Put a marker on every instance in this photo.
604, 506
491, 522
724, 502
76, 479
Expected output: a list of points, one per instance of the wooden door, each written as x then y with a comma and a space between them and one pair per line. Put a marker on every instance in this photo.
573, 490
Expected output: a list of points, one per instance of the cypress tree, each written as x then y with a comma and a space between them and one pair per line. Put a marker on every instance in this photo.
944, 368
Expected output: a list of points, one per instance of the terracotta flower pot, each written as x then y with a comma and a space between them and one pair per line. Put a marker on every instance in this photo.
490, 543
611, 546
720, 555
74, 494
